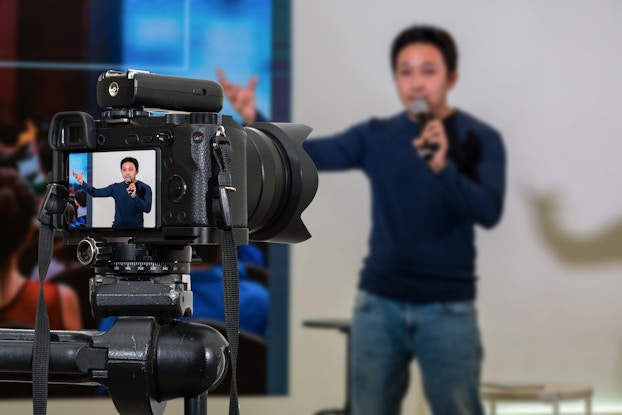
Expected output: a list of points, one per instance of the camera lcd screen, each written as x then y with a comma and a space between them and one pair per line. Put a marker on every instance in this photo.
115, 189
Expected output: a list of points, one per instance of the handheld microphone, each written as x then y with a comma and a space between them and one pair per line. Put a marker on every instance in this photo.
128, 181
422, 115
421, 112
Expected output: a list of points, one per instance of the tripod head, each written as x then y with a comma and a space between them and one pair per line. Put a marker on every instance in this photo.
136, 279
147, 357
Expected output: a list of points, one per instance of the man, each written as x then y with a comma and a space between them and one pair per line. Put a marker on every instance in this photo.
81, 209
418, 284
131, 197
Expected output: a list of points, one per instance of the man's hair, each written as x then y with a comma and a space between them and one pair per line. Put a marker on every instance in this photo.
131, 160
81, 197
432, 35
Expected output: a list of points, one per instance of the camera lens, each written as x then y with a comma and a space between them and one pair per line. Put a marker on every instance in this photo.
281, 181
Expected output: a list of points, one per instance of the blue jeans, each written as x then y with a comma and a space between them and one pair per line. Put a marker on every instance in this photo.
444, 338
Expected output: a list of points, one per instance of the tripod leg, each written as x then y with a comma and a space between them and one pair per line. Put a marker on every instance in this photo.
196, 405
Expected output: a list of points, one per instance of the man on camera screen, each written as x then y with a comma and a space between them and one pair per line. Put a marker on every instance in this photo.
131, 197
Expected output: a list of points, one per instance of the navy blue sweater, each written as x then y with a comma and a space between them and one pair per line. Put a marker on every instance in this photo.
128, 211
422, 242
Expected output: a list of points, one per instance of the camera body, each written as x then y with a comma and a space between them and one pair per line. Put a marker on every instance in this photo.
173, 127
182, 152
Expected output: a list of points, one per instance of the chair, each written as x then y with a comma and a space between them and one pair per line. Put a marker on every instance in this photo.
252, 364
343, 326
257, 273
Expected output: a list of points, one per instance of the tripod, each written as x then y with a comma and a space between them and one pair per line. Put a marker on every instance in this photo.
148, 356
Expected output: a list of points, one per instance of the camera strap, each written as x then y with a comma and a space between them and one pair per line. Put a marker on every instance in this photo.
54, 204
41, 348
230, 273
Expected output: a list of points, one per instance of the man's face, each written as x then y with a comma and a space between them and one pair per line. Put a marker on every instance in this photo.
129, 170
421, 73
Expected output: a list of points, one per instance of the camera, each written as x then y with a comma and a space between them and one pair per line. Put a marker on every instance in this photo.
177, 173
172, 127
165, 171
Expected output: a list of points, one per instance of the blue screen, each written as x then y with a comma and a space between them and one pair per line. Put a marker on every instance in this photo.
192, 38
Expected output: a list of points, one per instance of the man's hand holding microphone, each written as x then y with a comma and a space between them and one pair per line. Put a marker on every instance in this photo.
131, 187
432, 143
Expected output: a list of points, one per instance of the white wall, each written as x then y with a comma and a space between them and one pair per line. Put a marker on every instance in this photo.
548, 75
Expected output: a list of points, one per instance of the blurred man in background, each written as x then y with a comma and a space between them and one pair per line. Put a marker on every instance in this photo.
435, 172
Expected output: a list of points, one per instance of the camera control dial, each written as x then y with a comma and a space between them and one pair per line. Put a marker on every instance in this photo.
176, 188
92, 252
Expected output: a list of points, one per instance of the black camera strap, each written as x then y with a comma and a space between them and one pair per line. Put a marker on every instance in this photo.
232, 314
53, 205
41, 348
230, 278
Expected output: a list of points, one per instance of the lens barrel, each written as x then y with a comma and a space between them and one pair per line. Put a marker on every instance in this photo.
281, 181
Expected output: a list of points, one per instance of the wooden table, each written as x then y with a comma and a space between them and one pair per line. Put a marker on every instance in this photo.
552, 393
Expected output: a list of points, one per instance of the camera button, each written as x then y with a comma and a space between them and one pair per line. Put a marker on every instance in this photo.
167, 216
131, 139
197, 137
181, 216
176, 189
165, 137
147, 138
